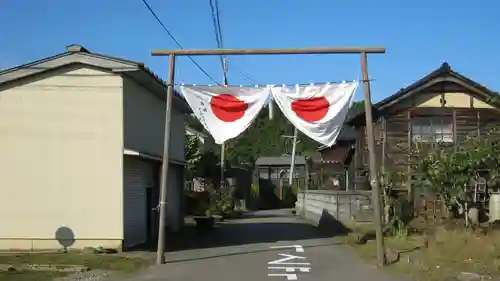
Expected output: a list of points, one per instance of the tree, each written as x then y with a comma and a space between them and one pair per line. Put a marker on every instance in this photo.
449, 170
192, 122
264, 137
193, 155
200, 163
356, 108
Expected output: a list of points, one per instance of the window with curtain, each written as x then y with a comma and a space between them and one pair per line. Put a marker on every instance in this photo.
432, 129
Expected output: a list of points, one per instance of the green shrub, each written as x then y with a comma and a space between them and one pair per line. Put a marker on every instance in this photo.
222, 203
254, 190
295, 188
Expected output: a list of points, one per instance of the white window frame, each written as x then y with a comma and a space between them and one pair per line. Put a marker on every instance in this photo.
436, 129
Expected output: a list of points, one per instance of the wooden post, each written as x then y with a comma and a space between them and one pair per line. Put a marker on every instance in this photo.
292, 163
223, 145
383, 144
410, 195
478, 124
305, 189
222, 162
281, 182
377, 217
279, 51
160, 253
454, 129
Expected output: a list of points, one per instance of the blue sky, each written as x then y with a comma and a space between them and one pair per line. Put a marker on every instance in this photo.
418, 35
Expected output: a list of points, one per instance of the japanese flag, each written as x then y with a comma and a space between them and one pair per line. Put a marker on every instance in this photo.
225, 112
318, 111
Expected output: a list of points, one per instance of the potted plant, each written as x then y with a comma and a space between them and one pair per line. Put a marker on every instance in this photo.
254, 196
222, 204
202, 212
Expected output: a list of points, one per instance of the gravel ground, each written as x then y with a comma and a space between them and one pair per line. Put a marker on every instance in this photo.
94, 275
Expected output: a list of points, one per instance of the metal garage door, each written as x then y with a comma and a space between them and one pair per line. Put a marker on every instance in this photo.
137, 177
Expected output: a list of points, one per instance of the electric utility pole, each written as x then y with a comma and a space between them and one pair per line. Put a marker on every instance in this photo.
294, 150
223, 145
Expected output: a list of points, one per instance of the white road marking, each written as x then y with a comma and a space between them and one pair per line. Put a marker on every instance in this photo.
291, 260
288, 257
288, 276
298, 248
291, 269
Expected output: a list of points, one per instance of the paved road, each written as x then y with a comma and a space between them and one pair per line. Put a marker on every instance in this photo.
243, 250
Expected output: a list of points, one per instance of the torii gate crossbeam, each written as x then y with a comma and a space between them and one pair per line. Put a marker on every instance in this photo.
363, 51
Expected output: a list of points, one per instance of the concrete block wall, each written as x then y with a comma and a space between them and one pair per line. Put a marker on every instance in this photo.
343, 206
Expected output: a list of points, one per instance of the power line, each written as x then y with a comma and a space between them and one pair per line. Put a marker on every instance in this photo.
214, 7
219, 38
175, 40
247, 77
218, 22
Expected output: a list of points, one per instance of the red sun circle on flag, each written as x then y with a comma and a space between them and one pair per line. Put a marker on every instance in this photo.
228, 108
311, 110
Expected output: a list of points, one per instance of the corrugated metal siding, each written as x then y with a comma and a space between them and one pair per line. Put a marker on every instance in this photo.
137, 177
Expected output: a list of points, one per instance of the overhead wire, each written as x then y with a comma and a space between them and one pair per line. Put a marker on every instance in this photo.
285, 84
219, 38
247, 77
175, 40
217, 10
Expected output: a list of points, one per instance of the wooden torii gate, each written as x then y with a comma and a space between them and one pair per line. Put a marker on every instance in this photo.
362, 51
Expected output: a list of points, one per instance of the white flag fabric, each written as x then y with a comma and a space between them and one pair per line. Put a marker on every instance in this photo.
318, 111
225, 112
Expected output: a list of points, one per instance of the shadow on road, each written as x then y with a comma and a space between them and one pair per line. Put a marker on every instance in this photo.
261, 227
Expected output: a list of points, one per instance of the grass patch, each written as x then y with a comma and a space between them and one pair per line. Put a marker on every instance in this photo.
30, 276
114, 263
449, 253
453, 251
368, 250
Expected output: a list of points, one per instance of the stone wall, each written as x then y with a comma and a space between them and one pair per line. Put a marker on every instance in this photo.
342, 206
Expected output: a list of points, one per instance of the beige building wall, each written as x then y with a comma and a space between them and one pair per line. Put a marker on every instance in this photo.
144, 122
61, 153
455, 100
144, 128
